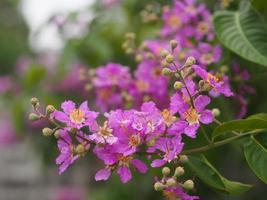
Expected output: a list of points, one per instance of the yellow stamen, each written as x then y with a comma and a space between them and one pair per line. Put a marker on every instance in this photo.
77, 116
191, 116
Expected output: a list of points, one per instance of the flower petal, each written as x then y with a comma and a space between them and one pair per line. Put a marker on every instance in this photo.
68, 106
125, 174
103, 174
201, 102
158, 163
139, 165
206, 117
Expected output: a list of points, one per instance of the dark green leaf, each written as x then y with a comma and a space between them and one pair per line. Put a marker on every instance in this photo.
244, 33
256, 156
209, 175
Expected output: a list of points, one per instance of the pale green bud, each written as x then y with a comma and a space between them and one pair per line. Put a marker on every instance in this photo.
216, 112
158, 186
166, 171
179, 171
34, 117
50, 109
169, 58
188, 185
178, 85
166, 71
171, 182
173, 44
47, 131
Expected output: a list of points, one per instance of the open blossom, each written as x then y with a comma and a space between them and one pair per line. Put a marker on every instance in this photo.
218, 86
170, 147
177, 193
76, 117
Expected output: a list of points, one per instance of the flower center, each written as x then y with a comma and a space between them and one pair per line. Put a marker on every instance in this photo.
203, 27
134, 140
125, 160
192, 116
157, 72
77, 116
105, 130
170, 195
104, 93
142, 86
169, 119
175, 21
212, 79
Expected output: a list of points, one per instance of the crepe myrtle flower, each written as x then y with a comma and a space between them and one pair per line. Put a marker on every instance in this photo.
170, 147
217, 85
191, 119
118, 162
75, 117
104, 135
177, 192
66, 148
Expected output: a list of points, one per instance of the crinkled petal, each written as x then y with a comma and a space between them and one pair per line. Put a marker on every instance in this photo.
201, 102
68, 106
158, 163
140, 166
125, 174
206, 117
103, 174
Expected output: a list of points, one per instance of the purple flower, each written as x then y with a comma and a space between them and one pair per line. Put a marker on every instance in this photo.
218, 85
191, 118
177, 193
170, 147
76, 117
66, 148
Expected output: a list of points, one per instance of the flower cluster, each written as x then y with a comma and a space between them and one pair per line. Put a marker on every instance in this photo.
145, 120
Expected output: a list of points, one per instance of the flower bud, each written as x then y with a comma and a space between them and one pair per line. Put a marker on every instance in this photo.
57, 134
80, 149
166, 71
183, 158
164, 53
47, 131
173, 44
158, 186
130, 36
204, 86
171, 182
33, 117
178, 85
190, 61
216, 112
188, 185
164, 63
169, 58
150, 56
179, 171
50, 109
166, 171
138, 58
34, 101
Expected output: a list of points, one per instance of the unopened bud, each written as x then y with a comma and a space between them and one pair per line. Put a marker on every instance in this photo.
158, 186
216, 112
138, 58
183, 158
190, 61
50, 109
47, 131
166, 71
188, 185
34, 117
173, 44
164, 53
166, 171
169, 58
204, 86
171, 182
34, 101
80, 149
179, 171
57, 134
150, 56
130, 36
164, 63
178, 85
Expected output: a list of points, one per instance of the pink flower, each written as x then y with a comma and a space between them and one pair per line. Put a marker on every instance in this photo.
178, 192
76, 117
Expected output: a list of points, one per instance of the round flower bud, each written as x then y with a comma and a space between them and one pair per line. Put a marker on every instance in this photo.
130, 36
33, 117
169, 58
80, 149
171, 182
166, 71
190, 61
179, 171
173, 44
166, 171
204, 86
47, 131
158, 186
34, 101
138, 58
50, 109
178, 85
188, 185
164, 63
216, 112
57, 134
183, 158
164, 53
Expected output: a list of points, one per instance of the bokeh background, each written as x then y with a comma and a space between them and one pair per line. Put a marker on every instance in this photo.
43, 47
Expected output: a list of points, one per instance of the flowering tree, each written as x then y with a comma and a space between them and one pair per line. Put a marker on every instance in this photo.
162, 114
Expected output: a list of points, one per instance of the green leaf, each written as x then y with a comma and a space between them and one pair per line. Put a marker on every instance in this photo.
244, 33
254, 122
209, 175
256, 156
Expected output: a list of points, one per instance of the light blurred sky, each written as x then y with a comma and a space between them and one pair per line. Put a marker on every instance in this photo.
37, 12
